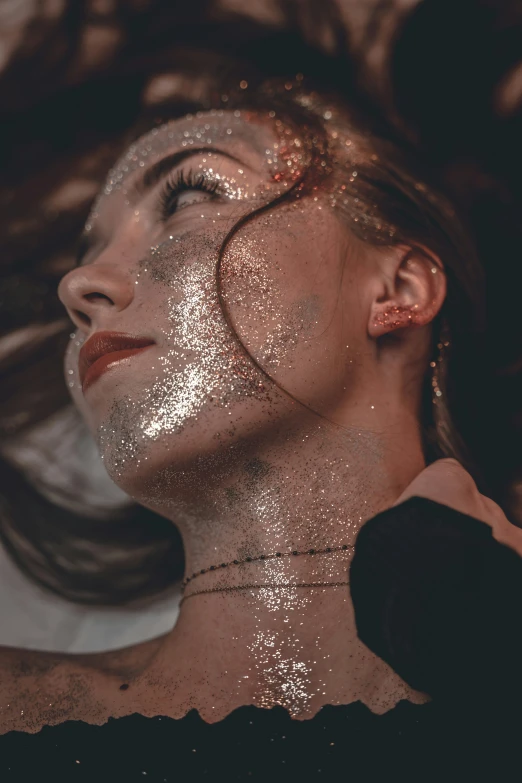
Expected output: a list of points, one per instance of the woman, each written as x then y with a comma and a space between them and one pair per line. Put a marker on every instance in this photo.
307, 311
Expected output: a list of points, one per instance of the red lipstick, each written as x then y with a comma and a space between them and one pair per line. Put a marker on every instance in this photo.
103, 350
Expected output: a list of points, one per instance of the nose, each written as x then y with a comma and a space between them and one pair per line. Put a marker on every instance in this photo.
95, 293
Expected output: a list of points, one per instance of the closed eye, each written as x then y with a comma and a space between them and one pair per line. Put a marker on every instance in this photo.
170, 200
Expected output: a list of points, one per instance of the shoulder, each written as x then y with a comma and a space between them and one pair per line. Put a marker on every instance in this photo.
38, 688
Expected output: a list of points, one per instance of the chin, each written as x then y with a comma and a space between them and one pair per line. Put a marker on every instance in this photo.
148, 461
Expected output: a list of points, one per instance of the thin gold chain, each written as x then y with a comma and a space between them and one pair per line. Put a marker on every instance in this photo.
272, 556
269, 585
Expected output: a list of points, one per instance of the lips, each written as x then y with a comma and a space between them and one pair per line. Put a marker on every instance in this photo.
103, 349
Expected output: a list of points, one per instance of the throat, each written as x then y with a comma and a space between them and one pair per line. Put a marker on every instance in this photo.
295, 647
260, 625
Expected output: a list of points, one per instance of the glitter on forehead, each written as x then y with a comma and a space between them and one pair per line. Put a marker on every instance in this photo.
209, 128
200, 387
285, 157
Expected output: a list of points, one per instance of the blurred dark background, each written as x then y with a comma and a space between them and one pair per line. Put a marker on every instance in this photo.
76, 75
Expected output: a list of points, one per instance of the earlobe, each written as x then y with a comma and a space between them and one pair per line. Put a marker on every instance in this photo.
394, 317
413, 289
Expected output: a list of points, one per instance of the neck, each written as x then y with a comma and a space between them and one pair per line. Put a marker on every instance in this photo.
285, 643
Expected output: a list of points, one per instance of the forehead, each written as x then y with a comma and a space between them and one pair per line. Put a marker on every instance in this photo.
252, 135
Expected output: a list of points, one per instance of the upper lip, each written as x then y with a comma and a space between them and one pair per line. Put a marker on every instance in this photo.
107, 342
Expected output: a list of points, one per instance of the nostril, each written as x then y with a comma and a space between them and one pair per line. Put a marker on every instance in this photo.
84, 319
93, 297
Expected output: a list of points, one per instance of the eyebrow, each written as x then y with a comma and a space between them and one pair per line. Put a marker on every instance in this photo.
150, 177
158, 170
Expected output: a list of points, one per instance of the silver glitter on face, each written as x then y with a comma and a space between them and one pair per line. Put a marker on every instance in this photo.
201, 367
236, 423
201, 131
199, 353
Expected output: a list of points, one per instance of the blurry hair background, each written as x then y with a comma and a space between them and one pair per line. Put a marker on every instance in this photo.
76, 75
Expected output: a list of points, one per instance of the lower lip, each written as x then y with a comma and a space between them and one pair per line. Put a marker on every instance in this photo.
105, 362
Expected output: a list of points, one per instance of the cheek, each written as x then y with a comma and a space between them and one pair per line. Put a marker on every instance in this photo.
280, 279
70, 368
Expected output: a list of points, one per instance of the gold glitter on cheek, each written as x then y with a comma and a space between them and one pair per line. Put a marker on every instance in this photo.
274, 310
200, 366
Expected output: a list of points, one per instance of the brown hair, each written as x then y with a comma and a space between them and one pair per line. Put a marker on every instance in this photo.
134, 553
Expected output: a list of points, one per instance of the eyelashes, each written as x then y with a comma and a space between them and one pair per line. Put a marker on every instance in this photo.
181, 183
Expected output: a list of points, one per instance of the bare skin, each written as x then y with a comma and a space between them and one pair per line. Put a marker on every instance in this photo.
244, 463
96, 687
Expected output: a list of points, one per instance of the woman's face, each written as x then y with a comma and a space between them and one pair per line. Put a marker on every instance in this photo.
290, 282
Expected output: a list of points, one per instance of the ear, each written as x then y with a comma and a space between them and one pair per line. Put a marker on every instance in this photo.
410, 290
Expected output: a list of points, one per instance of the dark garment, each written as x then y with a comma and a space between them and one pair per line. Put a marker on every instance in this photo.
410, 742
440, 600
428, 586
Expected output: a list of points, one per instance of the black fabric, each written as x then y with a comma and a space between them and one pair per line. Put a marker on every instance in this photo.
410, 742
436, 596
439, 599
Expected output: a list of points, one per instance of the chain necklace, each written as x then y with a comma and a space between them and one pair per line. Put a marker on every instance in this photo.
270, 585
273, 556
